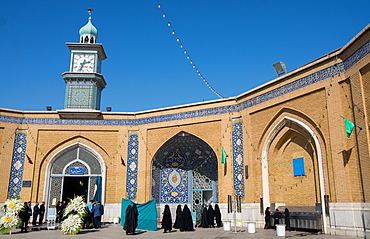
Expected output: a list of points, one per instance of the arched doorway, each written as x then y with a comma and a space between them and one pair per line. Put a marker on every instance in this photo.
298, 135
76, 171
184, 171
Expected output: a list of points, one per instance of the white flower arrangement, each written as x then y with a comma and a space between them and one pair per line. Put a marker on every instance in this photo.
11, 219
75, 211
72, 224
13, 205
76, 205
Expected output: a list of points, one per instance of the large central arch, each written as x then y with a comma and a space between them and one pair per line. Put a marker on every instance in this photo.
184, 170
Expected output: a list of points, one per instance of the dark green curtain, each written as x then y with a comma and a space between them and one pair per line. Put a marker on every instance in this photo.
147, 219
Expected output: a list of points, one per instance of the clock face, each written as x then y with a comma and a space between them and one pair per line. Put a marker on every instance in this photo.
83, 62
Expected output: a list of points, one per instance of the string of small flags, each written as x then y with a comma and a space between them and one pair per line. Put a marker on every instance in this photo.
192, 63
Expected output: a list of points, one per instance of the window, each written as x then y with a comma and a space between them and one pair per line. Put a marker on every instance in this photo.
298, 167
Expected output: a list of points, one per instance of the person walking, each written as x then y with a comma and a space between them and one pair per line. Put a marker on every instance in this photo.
131, 220
42, 212
167, 219
187, 221
36, 212
211, 216
204, 221
178, 217
218, 216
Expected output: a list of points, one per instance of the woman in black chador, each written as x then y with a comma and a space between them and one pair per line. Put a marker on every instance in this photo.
178, 217
267, 218
167, 219
211, 216
187, 221
287, 219
218, 216
131, 220
204, 222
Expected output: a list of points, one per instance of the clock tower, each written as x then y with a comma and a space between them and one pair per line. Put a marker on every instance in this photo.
84, 82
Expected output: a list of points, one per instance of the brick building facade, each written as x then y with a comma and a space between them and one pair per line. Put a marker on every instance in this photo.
174, 154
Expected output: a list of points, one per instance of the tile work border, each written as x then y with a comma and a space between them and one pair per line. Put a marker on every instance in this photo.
298, 84
238, 159
16, 172
132, 166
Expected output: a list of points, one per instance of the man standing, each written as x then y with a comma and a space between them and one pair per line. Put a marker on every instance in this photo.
42, 212
36, 212
97, 211
25, 217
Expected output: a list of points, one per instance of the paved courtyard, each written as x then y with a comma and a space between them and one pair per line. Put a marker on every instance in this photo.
115, 231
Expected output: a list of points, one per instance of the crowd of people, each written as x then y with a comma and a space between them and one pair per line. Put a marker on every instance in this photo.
184, 221
94, 212
37, 214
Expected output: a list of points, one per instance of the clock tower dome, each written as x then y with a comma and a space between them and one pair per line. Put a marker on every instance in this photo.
84, 81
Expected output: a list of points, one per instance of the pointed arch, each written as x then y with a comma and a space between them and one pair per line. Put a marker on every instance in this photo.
63, 149
272, 133
176, 163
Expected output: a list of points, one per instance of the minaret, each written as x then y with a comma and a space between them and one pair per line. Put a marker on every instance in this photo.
84, 82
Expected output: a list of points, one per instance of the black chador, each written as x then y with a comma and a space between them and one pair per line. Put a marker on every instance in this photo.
204, 222
167, 219
287, 219
211, 216
178, 217
218, 216
131, 220
187, 221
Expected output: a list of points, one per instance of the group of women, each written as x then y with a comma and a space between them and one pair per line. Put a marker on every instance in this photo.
184, 221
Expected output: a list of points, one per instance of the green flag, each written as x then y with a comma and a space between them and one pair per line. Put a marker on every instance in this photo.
349, 126
223, 157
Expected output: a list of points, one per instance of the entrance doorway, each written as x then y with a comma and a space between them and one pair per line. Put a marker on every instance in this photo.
75, 186
75, 172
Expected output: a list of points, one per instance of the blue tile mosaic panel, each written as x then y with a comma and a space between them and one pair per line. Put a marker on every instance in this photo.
16, 171
132, 166
81, 95
298, 84
173, 164
174, 185
238, 159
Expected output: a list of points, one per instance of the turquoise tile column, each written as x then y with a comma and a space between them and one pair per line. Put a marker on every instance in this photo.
132, 165
17, 167
238, 158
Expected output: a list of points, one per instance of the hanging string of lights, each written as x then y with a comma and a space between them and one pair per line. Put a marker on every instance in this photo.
192, 63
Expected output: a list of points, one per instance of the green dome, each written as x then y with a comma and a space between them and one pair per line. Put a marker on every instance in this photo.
89, 29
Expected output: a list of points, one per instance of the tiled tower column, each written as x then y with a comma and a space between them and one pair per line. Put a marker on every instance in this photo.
238, 157
132, 165
16, 171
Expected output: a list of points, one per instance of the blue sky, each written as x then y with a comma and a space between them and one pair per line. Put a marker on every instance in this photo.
233, 43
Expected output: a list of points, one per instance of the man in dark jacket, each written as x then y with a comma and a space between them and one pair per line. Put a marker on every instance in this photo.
98, 211
277, 215
42, 212
25, 216
36, 212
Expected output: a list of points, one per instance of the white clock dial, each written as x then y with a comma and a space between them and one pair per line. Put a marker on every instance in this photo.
83, 63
